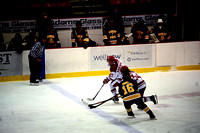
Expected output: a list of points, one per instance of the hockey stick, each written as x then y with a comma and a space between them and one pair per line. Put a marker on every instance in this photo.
154, 38
91, 99
94, 105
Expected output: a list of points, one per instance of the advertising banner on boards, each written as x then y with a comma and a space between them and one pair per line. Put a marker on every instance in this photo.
10, 64
134, 56
98, 56
138, 56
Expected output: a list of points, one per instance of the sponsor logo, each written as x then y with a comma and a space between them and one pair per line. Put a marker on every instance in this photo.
18, 23
128, 59
5, 59
90, 23
137, 53
104, 57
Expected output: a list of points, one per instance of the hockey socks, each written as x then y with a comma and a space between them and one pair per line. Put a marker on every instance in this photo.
149, 112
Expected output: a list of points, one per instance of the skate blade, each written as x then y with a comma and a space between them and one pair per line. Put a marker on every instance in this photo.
116, 102
34, 84
153, 119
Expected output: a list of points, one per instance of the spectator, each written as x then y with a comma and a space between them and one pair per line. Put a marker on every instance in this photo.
52, 38
114, 22
163, 17
16, 44
30, 39
80, 37
111, 34
2, 47
43, 24
118, 20
35, 64
161, 31
140, 32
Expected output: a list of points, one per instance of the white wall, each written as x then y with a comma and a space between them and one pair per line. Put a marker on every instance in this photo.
165, 54
65, 60
147, 55
192, 53
180, 54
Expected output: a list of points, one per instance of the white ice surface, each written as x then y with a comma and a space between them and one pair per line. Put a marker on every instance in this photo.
55, 106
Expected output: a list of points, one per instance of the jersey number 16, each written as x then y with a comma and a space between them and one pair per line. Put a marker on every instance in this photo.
128, 88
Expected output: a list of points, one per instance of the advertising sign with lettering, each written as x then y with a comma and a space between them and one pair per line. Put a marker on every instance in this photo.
17, 25
89, 23
69, 23
98, 56
138, 56
10, 64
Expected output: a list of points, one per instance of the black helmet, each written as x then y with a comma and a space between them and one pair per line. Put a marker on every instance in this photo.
78, 23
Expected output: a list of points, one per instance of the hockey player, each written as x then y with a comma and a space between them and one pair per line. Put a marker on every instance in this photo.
52, 38
161, 31
111, 34
128, 89
115, 76
141, 85
80, 37
140, 32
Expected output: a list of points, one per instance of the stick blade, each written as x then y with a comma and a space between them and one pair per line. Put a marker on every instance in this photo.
84, 102
89, 105
90, 99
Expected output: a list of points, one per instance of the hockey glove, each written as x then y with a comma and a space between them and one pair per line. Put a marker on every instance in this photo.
105, 81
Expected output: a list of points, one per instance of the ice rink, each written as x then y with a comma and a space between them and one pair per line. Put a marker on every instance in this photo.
55, 106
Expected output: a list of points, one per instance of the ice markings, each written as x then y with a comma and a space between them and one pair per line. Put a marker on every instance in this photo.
97, 111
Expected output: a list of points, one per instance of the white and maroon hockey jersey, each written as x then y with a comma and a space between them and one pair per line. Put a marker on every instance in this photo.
115, 70
141, 83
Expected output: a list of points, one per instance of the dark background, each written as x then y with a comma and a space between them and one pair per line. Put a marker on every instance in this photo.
183, 15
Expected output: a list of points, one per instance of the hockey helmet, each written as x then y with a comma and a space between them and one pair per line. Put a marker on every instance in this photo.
78, 23
110, 58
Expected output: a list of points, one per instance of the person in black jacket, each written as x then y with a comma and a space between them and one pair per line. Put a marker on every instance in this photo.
52, 38
43, 24
140, 32
128, 90
161, 31
16, 44
80, 37
111, 33
30, 39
